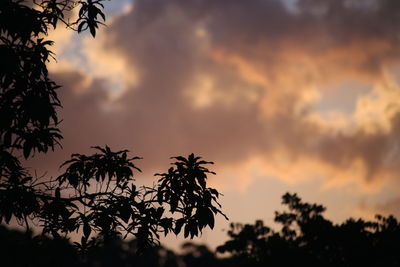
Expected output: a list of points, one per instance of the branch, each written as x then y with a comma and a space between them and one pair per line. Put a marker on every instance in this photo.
79, 198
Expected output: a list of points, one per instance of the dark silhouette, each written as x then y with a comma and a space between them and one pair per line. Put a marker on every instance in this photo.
96, 195
308, 239
25, 249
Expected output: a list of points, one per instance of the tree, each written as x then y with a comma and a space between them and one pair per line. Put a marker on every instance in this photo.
96, 193
307, 238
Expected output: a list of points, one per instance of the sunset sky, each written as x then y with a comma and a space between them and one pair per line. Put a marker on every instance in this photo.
298, 95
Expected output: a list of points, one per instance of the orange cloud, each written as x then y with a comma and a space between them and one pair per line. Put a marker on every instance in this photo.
238, 82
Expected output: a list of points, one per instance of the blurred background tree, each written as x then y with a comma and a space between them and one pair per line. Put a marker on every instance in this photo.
306, 238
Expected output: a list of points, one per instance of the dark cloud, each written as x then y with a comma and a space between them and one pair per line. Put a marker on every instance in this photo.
260, 59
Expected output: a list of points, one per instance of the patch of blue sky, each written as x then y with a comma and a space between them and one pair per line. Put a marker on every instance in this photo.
292, 5
115, 7
74, 52
342, 97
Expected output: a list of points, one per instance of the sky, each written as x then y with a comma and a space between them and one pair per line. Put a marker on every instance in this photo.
284, 96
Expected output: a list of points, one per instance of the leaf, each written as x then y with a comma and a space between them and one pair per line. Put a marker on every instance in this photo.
214, 192
160, 197
125, 212
101, 14
178, 226
7, 138
7, 215
27, 149
187, 231
210, 218
86, 229
159, 212
73, 179
180, 158
193, 230
81, 25
83, 9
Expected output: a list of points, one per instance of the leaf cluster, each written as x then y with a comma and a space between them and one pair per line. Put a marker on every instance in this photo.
96, 195
28, 97
28, 100
185, 190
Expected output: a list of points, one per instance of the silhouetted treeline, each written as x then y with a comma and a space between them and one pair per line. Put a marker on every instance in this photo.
306, 238
23, 249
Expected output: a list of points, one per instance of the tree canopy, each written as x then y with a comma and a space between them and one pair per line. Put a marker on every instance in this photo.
96, 195
304, 237
307, 238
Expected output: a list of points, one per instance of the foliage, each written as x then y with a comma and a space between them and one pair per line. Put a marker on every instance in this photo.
29, 98
103, 199
307, 238
96, 193
24, 249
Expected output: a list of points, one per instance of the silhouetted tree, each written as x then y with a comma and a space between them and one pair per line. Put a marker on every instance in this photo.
20, 249
307, 238
96, 194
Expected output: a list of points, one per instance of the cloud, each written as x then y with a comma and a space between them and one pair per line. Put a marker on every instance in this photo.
239, 82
